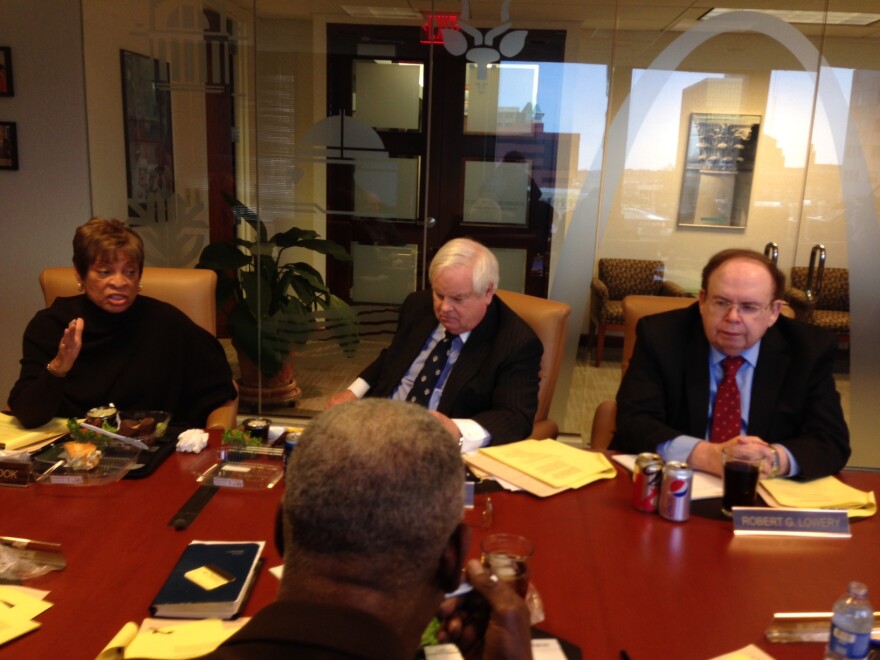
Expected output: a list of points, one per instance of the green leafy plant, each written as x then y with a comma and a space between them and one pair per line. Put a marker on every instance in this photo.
239, 437
274, 305
79, 433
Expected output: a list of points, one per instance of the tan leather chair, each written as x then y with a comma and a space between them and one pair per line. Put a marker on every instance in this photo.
548, 319
191, 290
634, 308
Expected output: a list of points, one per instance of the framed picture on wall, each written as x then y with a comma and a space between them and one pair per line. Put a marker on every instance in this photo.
717, 183
8, 146
149, 148
6, 88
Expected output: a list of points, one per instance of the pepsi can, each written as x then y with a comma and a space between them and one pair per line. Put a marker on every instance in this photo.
647, 474
675, 491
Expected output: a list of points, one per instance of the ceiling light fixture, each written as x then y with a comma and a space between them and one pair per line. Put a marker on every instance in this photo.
381, 12
812, 17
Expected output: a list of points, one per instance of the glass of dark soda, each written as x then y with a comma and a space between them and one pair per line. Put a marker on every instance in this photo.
742, 467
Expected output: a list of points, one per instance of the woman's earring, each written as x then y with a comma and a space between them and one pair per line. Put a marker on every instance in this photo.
79, 286
140, 287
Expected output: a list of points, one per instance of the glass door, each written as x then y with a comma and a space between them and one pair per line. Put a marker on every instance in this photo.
438, 147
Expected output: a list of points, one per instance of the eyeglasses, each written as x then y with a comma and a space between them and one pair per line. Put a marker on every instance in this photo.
721, 307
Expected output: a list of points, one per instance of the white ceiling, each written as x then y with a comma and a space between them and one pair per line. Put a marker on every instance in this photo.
637, 15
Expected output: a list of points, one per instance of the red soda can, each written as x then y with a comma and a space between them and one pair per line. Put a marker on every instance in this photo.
647, 474
675, 491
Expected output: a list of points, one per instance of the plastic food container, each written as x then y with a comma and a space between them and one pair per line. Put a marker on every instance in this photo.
161, 418
240, 467
115, 462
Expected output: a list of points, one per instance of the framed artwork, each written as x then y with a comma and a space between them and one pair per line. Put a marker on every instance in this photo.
8, 146
149, 148
6, 87
719, 166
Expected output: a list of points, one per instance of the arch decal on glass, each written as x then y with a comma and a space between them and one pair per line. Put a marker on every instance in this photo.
590, 217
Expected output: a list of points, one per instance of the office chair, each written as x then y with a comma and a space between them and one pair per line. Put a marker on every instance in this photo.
616, 279
827, 304
548, 319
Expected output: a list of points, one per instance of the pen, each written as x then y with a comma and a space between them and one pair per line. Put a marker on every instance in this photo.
20, 543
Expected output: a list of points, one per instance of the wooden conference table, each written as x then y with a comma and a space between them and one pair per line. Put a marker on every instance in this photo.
611, 578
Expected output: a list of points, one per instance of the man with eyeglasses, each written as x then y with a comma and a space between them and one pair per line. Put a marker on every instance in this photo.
779, 376
460, 352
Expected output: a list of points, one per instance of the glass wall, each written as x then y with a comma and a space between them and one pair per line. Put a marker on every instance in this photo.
738, 132
558, 136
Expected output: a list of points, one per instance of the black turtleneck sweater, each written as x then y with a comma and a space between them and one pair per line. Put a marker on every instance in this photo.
149, 357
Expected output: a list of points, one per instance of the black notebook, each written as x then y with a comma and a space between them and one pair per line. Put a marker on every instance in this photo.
210, 580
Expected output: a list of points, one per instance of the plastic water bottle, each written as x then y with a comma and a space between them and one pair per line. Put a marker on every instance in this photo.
851, 625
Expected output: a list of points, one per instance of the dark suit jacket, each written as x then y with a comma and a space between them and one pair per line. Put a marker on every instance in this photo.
494, 381
794, 402
305, 630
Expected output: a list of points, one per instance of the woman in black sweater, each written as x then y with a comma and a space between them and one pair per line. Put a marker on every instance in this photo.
112, 345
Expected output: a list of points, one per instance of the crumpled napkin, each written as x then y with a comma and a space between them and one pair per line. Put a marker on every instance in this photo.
192, 440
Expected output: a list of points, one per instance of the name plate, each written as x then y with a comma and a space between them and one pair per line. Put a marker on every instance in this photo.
826, 523
15, 473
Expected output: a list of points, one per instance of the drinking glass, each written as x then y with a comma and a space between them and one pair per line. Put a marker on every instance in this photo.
741, 471
507, 557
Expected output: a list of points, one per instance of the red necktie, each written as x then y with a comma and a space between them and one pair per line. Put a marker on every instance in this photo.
727, 416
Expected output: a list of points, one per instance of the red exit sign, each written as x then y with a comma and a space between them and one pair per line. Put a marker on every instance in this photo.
434, 23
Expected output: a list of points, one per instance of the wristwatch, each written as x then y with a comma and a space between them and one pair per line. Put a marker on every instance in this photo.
774, 463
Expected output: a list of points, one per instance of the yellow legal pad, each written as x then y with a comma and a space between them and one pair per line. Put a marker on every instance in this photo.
164, 639
553, 463
824, 493
14, 436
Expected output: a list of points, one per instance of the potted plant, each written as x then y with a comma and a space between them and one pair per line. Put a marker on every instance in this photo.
274, 305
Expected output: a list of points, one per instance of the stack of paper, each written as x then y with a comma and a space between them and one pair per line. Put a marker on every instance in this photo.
825, 493
14, 436
542, 467
18, 607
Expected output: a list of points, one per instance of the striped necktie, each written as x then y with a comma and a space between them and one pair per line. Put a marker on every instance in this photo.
426, 381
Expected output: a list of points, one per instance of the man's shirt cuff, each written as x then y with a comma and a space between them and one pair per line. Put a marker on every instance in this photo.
678, 449
793, 467
473, 436
360, 387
